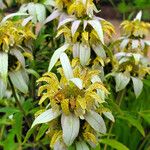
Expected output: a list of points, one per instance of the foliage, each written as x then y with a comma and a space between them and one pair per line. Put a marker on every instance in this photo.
91, 95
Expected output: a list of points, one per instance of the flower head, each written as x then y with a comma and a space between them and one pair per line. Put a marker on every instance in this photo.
78, 97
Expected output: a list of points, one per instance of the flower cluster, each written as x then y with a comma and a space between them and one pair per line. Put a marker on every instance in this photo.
132, 62
13, 34
15, 41
76, 100
83, 31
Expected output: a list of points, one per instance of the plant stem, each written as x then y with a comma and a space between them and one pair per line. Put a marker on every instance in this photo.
119, 101
18, 102
120, 97
144, 141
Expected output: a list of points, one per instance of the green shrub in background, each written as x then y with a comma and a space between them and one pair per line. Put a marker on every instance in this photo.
134, 6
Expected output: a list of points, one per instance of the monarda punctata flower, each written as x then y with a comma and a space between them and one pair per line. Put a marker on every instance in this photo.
131, 50
83, 31
133, 36
76, 105
15, 39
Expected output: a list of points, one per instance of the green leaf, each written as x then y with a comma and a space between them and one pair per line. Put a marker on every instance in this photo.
33, 72
96, 121
137, 86
70, 126
56, 56
17, 126
29, 133
145, 115
9, 110
41, 12
133, 121
42, 131
81, 146
114, 144
121, 81
3, 65
45, 117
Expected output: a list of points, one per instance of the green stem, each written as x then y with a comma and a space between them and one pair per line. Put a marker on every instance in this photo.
18, 102
119, 101
144, 141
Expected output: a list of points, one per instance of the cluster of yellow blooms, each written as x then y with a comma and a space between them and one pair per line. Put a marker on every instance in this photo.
76, 98
13, 34
132, 48
15, 43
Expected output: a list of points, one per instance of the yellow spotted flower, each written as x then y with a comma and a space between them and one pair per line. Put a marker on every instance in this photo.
74, 99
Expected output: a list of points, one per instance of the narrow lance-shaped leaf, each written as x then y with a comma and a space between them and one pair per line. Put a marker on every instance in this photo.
114, 144
70, 125
96, 121
66, 66
133, 120
56, 56
45, 117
